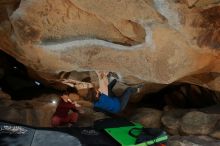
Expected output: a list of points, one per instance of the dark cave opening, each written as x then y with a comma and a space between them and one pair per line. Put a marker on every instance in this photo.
15, 81
181, 95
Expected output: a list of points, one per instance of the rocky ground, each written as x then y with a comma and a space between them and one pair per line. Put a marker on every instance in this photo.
186, 127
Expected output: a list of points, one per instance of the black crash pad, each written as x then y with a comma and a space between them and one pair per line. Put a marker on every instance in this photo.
20, 135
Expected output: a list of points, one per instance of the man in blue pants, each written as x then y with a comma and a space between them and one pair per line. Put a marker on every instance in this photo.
105, 99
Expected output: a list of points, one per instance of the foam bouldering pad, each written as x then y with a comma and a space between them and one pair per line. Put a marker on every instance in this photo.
14, 135
21, 135
121, 134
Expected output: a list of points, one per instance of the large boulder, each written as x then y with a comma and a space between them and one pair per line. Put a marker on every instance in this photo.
198, 123
192, 141
216, 132
171, 120
155, 41
147, 117
37, 112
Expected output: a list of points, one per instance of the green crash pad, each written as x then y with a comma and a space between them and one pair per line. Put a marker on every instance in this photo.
121, 135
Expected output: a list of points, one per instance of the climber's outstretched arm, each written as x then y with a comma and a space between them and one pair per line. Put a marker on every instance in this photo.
103, 82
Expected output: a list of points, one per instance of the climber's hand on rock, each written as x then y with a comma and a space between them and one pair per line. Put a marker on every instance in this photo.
70, 82
77, 105
65, 98
102, 74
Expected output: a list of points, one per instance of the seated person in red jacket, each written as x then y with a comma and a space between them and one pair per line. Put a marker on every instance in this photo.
62, 116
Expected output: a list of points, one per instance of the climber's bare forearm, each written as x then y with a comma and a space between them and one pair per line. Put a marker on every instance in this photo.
85, 103
103, 82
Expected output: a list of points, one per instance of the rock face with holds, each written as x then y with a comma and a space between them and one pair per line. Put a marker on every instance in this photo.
154, 41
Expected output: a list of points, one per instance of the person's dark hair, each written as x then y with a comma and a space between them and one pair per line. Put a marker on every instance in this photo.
91, 96
70, 90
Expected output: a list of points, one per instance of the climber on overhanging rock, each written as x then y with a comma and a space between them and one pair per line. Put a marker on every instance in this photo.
104, 99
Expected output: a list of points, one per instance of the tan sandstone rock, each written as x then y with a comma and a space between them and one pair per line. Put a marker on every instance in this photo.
152, 41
